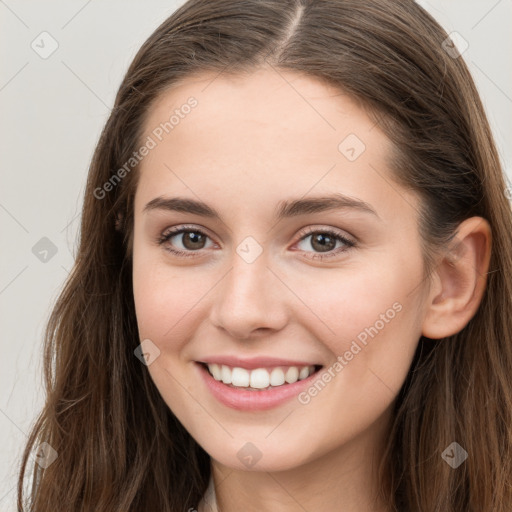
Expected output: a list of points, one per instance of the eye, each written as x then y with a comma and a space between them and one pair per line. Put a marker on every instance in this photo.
329, 243
188, 240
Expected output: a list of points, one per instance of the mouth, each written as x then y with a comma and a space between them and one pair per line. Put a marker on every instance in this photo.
259, 379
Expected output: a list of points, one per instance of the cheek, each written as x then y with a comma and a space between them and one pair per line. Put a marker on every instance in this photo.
348, 299
370, 321
166, 301
163, 298
169, 301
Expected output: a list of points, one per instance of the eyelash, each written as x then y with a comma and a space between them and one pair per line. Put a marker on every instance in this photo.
167, 235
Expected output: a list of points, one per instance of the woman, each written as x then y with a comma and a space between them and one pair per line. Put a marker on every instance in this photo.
292, 290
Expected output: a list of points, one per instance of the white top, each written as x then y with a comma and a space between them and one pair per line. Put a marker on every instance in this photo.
208, 502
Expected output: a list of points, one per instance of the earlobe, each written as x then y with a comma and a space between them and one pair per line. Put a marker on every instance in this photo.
461, 277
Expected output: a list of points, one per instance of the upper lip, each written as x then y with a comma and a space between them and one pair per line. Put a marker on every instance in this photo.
255, 362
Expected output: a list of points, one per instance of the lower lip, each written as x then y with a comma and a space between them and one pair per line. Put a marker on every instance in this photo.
244, 400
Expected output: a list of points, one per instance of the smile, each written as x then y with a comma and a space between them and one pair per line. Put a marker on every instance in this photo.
259, 378
262, 387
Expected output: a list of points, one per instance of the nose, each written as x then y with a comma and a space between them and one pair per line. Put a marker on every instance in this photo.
249, 301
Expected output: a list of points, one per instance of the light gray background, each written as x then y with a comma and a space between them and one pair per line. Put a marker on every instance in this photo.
52, 112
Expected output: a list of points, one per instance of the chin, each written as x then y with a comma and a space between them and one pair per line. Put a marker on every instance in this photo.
258, 456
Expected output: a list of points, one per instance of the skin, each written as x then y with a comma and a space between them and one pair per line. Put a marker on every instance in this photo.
252, 142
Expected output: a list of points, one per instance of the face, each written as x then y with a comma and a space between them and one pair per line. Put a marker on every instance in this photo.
291, 250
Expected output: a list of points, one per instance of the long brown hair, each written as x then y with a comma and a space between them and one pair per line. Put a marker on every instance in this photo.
119, 446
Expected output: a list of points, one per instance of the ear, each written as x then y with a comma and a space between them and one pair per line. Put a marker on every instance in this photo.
458, 282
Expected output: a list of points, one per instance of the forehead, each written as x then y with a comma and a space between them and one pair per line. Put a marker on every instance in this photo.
264, 134
262, 105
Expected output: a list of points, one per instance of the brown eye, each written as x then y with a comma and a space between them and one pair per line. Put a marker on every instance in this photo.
193, 240
184, 241
324, 243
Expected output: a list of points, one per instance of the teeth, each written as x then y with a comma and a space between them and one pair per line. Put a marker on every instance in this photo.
260, 378
304, 372
292, 375
225, 374
239, 377
277, 377
215, 371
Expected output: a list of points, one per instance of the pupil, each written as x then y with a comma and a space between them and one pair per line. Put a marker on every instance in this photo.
320, 239
193, 240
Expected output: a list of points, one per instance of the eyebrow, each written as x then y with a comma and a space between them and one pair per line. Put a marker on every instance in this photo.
285, 209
